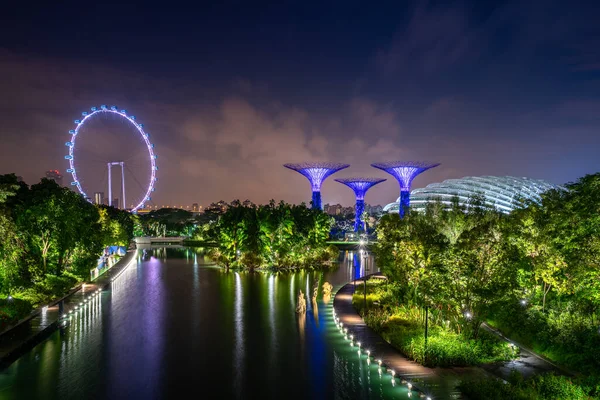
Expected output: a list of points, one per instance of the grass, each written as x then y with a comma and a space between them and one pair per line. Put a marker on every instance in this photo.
542, 387
567, 338
25, 300
403, 327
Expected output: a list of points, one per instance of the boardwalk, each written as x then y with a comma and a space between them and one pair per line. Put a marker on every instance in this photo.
438, 383
21, 338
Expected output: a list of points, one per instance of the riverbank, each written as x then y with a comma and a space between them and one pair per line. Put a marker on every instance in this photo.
441, 382
30, 331
437, 383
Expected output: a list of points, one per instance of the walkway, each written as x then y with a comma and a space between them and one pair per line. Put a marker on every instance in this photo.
528, 364
19, 339
439, 383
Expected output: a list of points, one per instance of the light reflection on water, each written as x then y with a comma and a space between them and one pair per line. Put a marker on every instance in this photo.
171, 323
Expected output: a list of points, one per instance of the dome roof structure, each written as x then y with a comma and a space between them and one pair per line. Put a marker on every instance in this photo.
501, 192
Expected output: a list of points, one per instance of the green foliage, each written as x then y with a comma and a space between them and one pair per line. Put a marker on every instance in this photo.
166, 222
534, 274
117, 226
13, 310
449, 259
275, 236
50, 238
403, 327
542, 387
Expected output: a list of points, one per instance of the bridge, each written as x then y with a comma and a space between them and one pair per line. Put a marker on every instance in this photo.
160, 240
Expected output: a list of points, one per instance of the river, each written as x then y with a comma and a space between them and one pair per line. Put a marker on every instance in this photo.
174, 326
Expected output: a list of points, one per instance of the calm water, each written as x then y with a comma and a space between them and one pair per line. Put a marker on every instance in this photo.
174, 326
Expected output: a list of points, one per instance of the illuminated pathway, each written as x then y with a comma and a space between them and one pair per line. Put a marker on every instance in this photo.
80, 301
438, 383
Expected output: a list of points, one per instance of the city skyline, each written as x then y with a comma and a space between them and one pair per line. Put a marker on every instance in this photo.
486, 90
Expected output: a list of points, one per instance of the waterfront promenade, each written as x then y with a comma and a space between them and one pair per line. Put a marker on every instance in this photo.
438, 383
30, 331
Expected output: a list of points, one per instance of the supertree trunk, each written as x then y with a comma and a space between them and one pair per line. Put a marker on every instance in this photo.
359, 208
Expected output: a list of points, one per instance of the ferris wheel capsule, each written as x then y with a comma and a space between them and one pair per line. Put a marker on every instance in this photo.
94, 108
124, 112
77, 121
70, 170
114, 108
72, 131
68, 157
84, 113
74, 183
103, 106
132, 117
141, 125
69, 144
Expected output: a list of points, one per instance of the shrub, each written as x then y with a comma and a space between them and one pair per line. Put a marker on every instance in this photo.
13, 310
402, 326
543, 387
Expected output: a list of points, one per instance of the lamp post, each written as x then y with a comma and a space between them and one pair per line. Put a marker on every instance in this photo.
426, 323
364, 260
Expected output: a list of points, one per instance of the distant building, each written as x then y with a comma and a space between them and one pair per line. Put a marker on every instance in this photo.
115, 202
99, 198
335, 209
54, 175
374, 210
504, 193
195, 207
347, 211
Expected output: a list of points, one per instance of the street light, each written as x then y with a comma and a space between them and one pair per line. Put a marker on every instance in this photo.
364, 261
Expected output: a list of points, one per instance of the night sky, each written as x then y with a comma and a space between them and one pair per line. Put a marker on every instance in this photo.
231, 91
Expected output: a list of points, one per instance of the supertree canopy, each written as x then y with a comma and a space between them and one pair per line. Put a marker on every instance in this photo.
404, 172
360, 187
316, 173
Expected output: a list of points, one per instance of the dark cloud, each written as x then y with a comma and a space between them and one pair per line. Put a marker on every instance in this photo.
502, 89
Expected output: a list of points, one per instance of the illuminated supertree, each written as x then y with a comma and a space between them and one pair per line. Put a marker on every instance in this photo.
360, 187
404, 172
316, 173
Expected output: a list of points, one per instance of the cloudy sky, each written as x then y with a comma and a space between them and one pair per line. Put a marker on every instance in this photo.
231, 91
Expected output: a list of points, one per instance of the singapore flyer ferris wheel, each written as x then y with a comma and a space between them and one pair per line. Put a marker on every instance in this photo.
79, 161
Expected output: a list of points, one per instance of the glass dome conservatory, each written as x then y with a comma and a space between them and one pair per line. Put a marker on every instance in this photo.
501, 192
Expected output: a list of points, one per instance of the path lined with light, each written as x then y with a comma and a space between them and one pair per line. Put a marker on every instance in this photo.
21, 338
421, 382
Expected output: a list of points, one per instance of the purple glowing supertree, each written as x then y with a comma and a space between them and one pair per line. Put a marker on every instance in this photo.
404, 172
316, 173
360, 187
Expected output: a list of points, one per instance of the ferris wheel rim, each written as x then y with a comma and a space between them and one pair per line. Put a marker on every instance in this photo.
140, 129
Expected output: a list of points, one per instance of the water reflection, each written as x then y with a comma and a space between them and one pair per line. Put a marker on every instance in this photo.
239, 335
167, 328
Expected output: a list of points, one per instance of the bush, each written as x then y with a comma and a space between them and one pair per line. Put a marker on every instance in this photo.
445, 348
543, 387
403, 328
47, 290
13, 310
566, 337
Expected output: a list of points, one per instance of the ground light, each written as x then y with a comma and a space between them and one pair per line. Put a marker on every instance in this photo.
379, 361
